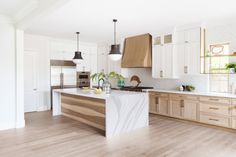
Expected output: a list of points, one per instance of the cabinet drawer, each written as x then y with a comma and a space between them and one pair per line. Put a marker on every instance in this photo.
215, 120
215, 100
234, 122
233, 108
221, 109
159, 94
234, 102
183, 97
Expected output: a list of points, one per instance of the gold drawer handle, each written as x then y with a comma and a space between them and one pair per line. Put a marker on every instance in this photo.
214, 119
213, 108
212, 99
157, 101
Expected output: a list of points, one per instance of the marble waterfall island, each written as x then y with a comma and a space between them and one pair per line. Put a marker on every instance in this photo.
116, 113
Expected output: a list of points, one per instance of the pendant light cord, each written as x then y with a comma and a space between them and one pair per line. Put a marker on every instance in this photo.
77, 41
115, 20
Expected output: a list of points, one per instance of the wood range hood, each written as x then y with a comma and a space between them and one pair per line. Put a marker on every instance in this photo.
137, 52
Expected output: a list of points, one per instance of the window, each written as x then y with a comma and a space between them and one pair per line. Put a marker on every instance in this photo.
219, 83
219, 57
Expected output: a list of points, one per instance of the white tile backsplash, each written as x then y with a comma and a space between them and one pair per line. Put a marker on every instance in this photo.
145, 74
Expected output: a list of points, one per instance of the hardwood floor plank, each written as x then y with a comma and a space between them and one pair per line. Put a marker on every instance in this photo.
47, 136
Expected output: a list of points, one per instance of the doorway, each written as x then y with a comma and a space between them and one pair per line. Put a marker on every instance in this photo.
30, 81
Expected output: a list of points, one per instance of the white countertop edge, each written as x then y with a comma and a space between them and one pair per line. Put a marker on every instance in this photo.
79, 92
227, 95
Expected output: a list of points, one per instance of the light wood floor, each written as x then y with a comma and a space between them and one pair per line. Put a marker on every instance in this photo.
45, 136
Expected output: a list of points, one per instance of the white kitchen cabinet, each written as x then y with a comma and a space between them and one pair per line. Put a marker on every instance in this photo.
187, 47
156, 61
61, 50
187, 35
162, 61
102, 60
64, 50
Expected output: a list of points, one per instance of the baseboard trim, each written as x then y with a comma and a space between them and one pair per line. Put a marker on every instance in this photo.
6, 126
42, 108
20, 124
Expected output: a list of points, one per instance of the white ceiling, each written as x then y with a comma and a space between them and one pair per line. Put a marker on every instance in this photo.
93, 18
11, 7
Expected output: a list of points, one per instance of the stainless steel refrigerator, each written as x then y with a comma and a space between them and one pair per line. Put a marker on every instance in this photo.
63, 75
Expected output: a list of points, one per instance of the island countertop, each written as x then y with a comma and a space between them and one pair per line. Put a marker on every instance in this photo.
91, 94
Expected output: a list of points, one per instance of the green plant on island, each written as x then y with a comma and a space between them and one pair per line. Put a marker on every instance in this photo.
102, 75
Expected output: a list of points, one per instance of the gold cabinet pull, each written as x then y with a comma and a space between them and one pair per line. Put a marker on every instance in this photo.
214, 119
213, 108
185, 69
212, 99
161, 73
157, 100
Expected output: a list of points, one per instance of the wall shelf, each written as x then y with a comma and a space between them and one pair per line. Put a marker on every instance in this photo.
231, 55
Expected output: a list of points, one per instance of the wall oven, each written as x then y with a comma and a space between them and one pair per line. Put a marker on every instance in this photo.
83, 79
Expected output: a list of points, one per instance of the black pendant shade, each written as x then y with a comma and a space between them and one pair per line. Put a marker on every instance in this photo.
78, 55
115, 53
115, 49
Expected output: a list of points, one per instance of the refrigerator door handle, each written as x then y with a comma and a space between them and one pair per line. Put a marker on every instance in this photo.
62, 80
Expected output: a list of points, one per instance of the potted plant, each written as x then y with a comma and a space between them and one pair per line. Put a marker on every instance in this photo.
231, 67
105, 77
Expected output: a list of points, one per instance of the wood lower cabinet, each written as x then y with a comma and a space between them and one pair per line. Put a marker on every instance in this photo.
184, 107
215, 111
177, 108
219, 111
190, 110
152, 103
214, 108
218, 120
233, 107
234, 122
163, 105
159, 103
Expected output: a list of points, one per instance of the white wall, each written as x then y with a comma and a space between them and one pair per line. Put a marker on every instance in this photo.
7, 79
145, 74
53, 48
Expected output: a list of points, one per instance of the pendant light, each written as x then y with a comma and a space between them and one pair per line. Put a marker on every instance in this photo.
77, 58
115, 53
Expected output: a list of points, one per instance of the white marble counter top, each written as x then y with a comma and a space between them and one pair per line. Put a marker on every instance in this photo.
90, 93
227, 95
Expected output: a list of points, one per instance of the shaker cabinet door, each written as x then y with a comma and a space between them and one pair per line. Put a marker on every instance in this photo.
190, 109
163, 104
152, 103
192, 58
167, 61
156, 61
176, 108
